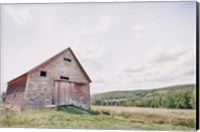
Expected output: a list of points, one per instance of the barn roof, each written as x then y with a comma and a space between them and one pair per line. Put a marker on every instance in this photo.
49, 60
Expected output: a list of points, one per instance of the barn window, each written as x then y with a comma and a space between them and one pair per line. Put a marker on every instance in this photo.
64, 77
67, 59
43, 73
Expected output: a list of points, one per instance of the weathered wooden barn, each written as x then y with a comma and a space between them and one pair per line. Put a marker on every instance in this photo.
57, 81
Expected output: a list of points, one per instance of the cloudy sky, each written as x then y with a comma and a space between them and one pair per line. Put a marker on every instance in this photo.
122, 46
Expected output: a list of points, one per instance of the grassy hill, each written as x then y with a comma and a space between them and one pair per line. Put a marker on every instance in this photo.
179, 96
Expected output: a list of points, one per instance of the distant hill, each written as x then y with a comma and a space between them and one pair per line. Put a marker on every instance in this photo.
135, 94
158, 97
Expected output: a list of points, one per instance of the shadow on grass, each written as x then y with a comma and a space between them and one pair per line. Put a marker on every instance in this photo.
78, 110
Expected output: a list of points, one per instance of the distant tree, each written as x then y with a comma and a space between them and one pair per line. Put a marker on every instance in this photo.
170, 102
193, 99
187, 100
179, 99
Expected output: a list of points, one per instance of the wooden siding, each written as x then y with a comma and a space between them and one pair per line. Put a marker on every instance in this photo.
15, 93
71, 93
40, 90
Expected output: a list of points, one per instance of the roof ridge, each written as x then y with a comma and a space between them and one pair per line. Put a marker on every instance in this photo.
48, 60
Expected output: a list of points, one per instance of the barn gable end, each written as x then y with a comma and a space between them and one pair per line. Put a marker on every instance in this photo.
40, 90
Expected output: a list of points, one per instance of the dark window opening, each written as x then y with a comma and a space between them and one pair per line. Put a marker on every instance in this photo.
14, 95
43, 73
63, 77
67, 59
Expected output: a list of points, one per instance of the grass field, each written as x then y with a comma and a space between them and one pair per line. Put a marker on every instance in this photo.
154, 118
102, 117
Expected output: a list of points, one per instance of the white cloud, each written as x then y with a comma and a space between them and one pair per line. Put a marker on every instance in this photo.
159, 55
138, 35
20, 15
162, 54
150, 23
133, 66
91, 54
102, 25
72, 38
161, 64
49, 23
140, 28
143, 25
164, 64
85, 31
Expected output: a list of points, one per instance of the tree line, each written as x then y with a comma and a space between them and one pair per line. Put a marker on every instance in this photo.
178, 100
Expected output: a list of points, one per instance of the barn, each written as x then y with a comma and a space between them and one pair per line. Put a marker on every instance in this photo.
57, 81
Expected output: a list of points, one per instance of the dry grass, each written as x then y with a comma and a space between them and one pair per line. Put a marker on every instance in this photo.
181, 113
176, 117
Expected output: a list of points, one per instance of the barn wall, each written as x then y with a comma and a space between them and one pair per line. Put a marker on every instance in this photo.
80, 95
15, 94
40, 89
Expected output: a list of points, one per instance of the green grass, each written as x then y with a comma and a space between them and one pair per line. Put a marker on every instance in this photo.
74, 117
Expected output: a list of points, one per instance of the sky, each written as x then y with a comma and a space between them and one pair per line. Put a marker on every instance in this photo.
122, 46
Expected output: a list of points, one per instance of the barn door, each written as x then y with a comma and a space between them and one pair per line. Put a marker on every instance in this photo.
62, 93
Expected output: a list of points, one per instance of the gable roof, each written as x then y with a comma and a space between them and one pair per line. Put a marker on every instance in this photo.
49, 60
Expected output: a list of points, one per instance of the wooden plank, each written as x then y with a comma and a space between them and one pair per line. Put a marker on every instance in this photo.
71, 94
58, 93
65, 90
67, 93
62, 88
